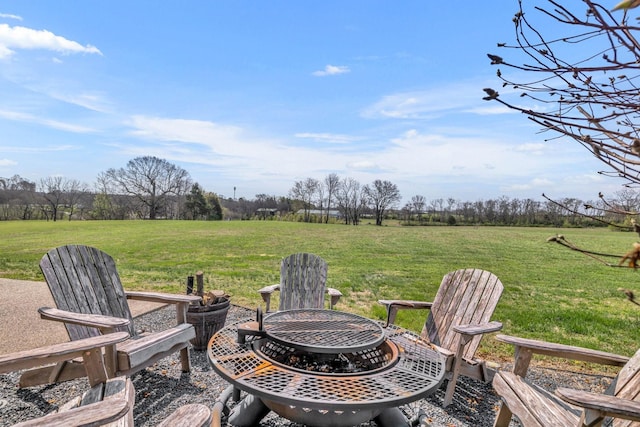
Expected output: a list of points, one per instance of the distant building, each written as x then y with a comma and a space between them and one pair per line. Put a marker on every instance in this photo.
333, 213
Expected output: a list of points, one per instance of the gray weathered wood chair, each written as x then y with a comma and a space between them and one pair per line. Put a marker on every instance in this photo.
108, 401
537, 407
90, 300
458, 317
303, 278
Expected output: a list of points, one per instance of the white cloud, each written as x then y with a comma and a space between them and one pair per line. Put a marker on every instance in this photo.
10, 16
55, 124
419, 104
363, 165
328, 137
12, 38
534, 184
7, 162
532, 147
331, 70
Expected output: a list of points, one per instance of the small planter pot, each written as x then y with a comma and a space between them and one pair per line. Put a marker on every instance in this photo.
207, 320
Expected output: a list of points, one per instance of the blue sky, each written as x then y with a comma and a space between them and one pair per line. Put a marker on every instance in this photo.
259, 94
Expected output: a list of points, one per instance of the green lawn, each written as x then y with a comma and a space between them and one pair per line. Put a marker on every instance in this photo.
550, 293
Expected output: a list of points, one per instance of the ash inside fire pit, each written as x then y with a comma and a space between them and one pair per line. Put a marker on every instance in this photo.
338, 364
334, 364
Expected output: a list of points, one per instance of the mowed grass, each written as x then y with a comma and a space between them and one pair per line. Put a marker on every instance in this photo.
551, 293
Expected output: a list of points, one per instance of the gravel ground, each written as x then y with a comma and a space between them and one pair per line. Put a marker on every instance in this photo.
162, 388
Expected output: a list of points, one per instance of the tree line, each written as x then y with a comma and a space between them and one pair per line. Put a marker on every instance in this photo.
152, 188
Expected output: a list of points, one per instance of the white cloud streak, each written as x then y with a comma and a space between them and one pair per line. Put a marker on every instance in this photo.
331, 70
54, 124
14, 38
330, 138
10, 16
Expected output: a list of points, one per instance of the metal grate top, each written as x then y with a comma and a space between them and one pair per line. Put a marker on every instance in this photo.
418, 372
323, 331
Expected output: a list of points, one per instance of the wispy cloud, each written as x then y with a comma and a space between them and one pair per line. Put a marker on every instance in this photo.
331, 70
54, 124
331, 138
7, 162
10, 16
13, 38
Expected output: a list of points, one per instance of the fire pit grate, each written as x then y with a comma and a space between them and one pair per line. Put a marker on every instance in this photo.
323, 331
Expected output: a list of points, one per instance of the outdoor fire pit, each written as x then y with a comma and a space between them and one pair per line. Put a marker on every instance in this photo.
323, 368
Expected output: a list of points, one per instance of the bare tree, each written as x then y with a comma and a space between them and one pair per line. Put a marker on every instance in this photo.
305, 191
418, 204
581, 83
60, 192
331, 185
351, 200
152, 181
382, 196
575, 67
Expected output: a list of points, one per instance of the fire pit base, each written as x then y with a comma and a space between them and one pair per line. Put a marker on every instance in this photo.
250, 410
322, 418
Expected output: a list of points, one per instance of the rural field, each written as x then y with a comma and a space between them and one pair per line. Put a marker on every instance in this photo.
551, 293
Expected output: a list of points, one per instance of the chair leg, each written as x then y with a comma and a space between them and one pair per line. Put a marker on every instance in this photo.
455, 371
184, 358
504, 416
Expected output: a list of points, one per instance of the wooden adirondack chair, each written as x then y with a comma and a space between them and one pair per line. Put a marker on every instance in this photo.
303, 278
536, 407
458, 317
109, 401
86, 288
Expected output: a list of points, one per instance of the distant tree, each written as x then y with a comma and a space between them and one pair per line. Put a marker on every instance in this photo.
305, 191
214, 208
382, 196
331, 185
196, 203
152, 181
351, 200
17, 183
418, 204
60, 192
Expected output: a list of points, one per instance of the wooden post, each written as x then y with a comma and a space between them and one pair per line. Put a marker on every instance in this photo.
189, 285
200, 282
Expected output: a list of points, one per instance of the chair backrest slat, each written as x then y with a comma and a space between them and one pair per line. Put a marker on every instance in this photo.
303, 279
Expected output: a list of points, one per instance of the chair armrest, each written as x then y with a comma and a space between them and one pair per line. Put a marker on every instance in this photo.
601, 405
483, 328
162, 297
334, 296
266, 292
112, 408
181, 302
193, 414
525, 348
269, 289
408, 304
565, 351
98, 413
57, 352
394, 305
105, 323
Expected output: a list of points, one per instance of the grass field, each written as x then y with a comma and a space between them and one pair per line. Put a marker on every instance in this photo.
550, 293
